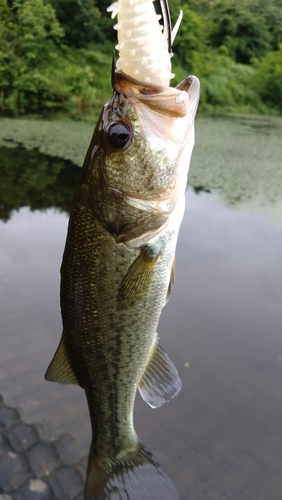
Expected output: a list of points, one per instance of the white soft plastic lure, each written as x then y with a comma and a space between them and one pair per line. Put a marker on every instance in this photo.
143, 42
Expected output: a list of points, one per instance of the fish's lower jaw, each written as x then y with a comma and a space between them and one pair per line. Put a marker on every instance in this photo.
138, 476
142, 44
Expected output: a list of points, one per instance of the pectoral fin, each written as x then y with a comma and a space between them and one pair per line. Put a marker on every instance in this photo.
59, 369
160, 381
136, 282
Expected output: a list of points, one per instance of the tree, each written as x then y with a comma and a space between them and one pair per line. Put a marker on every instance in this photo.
190, 37
268, 78
81, 21
37, 74
248, 29
29, 34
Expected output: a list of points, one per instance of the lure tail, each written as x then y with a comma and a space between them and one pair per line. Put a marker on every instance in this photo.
135, 476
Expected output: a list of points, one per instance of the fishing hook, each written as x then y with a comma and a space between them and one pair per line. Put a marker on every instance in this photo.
167, 23
113, 75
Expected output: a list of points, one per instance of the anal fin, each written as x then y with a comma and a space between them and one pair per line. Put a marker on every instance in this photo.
59, 369
160, 381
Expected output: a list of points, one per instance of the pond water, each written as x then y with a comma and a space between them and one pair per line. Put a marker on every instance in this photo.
221, 437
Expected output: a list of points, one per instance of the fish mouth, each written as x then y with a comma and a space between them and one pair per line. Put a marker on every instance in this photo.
170, 101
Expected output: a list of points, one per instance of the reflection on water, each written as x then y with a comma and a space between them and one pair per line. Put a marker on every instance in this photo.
30, 178
220, 438
239, 156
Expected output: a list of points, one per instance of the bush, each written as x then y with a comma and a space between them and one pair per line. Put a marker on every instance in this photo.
249, 28
225, 85
190, 36
37, 73
268, 78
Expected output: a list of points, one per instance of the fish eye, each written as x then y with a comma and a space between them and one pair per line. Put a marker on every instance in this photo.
119, 134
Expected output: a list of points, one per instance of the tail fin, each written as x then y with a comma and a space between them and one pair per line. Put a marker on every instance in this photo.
135, 477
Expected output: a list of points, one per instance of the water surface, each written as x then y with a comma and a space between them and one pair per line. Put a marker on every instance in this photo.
221, 437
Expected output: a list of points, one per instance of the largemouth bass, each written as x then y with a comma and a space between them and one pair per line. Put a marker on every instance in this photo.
118, 264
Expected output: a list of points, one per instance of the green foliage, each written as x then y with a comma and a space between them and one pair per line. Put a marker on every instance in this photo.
80, 21
38, 75
106, 22
268, 78
85, 22
219, 40
190, 36
225, 85
248, 29
29, 33
57, 58
28, 53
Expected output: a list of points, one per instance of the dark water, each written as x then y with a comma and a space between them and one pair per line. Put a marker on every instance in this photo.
221, 437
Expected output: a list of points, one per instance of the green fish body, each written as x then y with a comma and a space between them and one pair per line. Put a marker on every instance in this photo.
117, 273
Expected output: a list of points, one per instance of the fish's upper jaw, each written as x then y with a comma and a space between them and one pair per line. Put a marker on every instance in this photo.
165, 113
142, 44
168, 101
